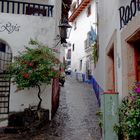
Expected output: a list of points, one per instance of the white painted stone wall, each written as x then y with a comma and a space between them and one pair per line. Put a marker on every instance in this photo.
109, 21
57, 43
78, 36
35, 27
25, 98
44, 29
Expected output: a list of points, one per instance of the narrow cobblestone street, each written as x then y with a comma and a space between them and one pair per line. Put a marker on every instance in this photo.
75, 118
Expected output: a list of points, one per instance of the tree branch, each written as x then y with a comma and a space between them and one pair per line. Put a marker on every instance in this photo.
39, 91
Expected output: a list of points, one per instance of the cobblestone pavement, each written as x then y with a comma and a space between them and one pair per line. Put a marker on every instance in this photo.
75, 118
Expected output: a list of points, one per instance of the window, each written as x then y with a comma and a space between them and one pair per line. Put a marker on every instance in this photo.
69, 63
80, 68
73, 47
89, 11
69, 54
75, 25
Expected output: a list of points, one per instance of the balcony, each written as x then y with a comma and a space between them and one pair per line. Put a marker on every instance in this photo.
17, 7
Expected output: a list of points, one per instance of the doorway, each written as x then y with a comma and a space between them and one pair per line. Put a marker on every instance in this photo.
111, 70
5, 60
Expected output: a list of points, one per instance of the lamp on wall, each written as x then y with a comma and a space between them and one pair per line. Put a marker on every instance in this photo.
64, 29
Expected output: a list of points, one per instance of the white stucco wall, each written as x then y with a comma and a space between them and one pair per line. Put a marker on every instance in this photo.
109, 21
44, 29
78, 36
25, 98
35, 27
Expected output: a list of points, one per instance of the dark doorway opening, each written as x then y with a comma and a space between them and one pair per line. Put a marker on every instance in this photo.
137, 59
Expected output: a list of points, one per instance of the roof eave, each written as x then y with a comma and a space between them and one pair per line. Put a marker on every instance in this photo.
78, 10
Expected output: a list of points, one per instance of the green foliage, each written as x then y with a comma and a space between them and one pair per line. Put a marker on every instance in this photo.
34, 66
95, 52
99, 114
129, 116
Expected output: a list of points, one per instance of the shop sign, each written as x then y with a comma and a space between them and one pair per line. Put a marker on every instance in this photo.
128, 12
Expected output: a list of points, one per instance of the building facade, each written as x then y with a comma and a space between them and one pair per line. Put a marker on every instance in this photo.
117, 69
21, 21
118, 64
83, 34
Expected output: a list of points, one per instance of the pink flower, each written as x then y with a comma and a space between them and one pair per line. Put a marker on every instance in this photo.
137, 90
26, 75
133, 98
30, 64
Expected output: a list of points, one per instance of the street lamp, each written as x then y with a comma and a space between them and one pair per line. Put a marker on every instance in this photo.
64, 29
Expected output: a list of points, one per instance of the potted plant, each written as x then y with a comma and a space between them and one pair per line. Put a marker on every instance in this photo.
129, 116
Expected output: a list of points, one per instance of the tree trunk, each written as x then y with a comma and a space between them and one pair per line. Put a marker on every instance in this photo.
39, 91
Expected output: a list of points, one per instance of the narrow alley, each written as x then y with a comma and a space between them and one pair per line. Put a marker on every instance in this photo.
75, 118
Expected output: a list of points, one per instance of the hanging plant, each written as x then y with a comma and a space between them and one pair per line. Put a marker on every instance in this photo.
95, 52
33, 67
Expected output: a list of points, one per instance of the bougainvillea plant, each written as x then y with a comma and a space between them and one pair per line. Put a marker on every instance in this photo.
129, 115
33, 67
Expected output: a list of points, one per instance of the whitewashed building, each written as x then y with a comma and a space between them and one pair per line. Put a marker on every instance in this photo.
83, 34
21, 20
118, 64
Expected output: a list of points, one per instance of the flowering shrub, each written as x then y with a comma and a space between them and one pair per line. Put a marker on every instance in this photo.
34, 67
129, 115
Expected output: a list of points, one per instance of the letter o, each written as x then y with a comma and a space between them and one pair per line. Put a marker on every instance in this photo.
133, 5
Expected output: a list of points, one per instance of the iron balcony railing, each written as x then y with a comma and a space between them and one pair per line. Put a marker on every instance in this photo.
17, 7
